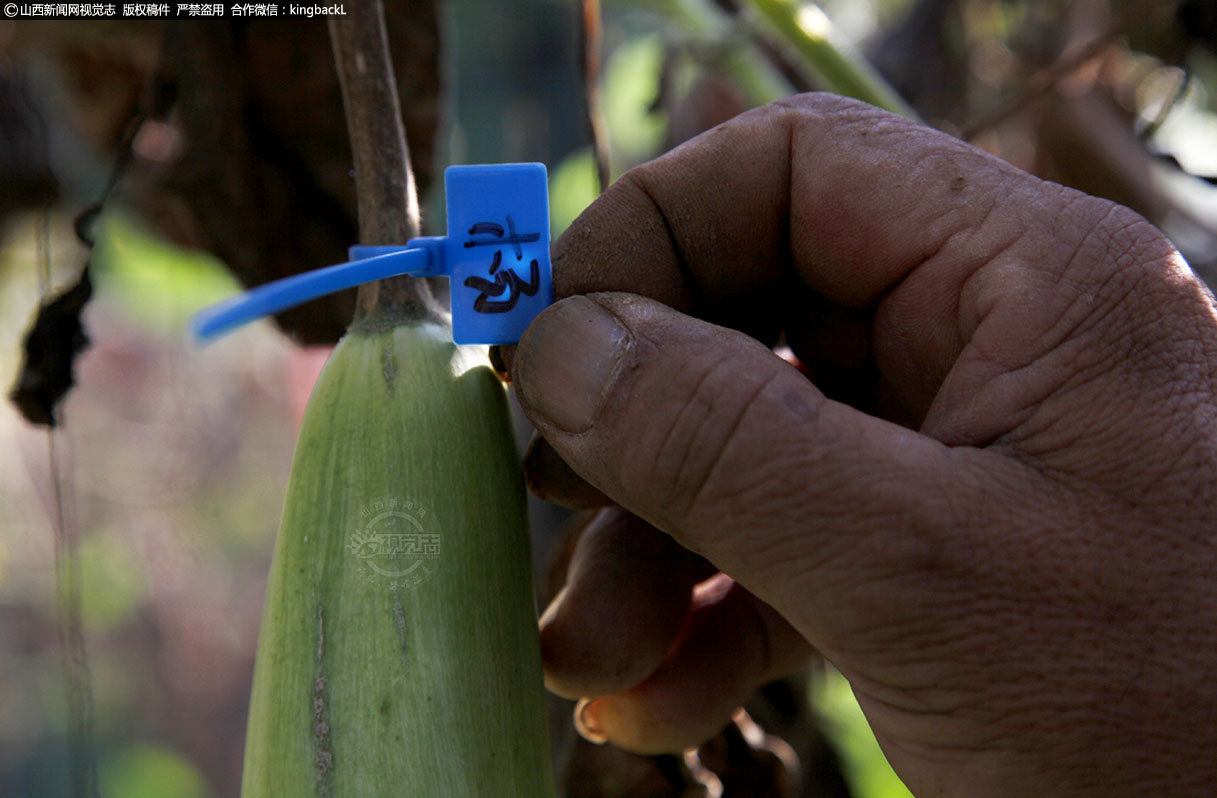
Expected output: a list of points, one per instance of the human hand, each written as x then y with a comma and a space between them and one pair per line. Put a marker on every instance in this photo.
987, 501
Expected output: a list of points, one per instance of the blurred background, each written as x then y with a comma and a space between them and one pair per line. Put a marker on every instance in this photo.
182, 160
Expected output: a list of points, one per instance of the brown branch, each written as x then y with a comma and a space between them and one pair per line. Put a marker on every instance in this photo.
590, 35
384, 182
1044, 79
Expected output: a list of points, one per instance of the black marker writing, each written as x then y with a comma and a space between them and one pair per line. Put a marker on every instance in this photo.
496, 230
505, 281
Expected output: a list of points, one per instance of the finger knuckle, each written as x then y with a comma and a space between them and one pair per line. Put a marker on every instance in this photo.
1139, 296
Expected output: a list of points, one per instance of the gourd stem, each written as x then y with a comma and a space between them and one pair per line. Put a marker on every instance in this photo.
384, 180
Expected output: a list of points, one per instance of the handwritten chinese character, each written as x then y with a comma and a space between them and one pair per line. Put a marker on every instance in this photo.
505, 280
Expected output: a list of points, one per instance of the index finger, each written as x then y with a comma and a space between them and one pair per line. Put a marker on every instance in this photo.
845, 197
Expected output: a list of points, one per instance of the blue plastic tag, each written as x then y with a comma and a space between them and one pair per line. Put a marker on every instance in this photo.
498, 250
496, 254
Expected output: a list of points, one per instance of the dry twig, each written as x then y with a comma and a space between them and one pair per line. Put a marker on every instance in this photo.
589, 40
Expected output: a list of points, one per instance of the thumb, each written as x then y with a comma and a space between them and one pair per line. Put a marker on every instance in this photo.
709, 436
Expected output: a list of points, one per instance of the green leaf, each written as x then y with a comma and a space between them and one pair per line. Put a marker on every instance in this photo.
631, 82
572, 187
152, 283
112, 582
148, 771
866, 768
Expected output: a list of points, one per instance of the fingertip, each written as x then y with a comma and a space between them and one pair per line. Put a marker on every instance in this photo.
627, 597
567, 362
732, 644
549, 477
501, 356
587, 722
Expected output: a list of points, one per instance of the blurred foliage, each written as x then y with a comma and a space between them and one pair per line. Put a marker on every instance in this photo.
113, 587
175, 460
572, 185
146, 771
156, 284
865, 765
632, 79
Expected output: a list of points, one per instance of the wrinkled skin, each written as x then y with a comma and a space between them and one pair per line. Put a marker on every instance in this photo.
988, 500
